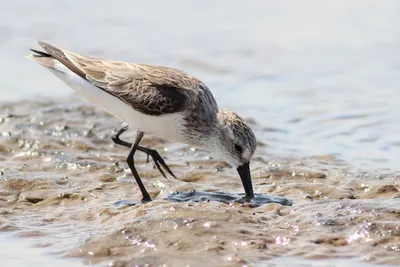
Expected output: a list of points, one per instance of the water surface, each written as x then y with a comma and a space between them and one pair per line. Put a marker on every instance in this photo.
63, 183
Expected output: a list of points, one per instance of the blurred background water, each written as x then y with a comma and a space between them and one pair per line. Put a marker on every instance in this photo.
319, 77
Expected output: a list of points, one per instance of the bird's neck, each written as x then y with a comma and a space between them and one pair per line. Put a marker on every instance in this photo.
202, 130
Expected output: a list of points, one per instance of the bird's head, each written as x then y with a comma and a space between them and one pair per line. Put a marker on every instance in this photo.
236, 144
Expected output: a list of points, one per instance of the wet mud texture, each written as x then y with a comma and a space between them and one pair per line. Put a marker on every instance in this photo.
65, 185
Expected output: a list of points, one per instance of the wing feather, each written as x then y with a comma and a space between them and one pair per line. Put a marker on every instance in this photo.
152, 90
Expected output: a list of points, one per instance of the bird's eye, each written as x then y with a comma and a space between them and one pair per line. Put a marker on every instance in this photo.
238, 148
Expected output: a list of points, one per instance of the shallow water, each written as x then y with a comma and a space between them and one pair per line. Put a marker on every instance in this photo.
65, 183
317, 81
227, 198
15, 252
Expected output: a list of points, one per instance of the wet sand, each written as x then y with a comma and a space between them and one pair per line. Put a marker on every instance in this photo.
66, 185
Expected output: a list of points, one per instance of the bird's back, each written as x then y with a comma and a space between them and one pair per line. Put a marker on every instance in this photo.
151, 91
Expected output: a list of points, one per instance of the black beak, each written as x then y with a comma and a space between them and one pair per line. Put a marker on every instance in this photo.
244, 172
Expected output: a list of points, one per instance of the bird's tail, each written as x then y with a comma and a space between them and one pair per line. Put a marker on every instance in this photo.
43, 58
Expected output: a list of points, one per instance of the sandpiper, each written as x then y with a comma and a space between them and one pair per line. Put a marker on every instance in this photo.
162, 101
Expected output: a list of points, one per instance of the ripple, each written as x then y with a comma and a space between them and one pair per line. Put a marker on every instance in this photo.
227, 198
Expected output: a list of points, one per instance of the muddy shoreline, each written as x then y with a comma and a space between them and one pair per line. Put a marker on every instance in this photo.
63, 181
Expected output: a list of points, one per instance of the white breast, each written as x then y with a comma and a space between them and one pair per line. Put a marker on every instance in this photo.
166, 126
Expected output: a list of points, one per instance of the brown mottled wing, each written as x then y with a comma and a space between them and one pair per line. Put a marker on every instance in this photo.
152, 90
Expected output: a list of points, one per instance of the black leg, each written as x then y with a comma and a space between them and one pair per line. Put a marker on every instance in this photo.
131, 164
118, 141
158, 160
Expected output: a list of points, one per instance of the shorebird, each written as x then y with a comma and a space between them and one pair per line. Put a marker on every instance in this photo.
158, 100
